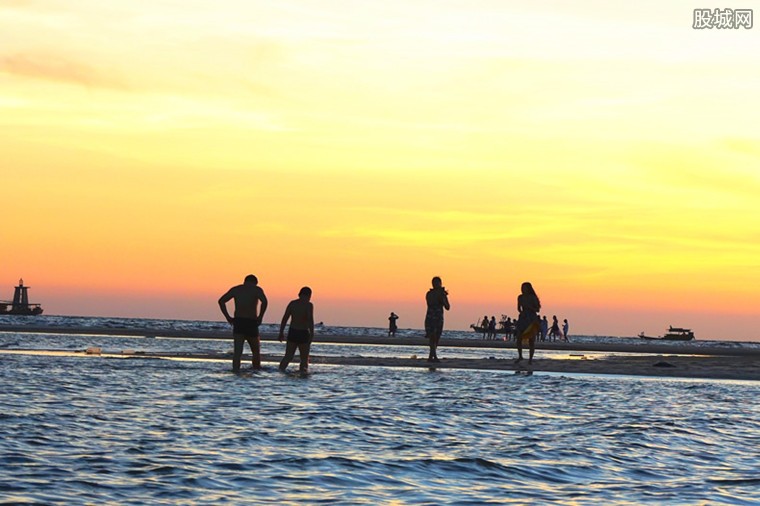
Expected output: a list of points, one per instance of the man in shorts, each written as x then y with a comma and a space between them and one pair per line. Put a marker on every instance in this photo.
245, 324
300, 312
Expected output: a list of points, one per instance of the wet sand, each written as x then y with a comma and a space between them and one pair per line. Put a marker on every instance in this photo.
682, 360
668, 366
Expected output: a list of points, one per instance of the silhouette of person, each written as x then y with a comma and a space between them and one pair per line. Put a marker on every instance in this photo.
509, 327
245, 324
300, 312
484, 326
392, 324
437, 299
527, 326
565, 328
492, 328
544, 328
554, 331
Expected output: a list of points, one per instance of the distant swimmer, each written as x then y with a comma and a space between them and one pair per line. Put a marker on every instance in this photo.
245, 324
300, 312
437, 299
527, 326
392, 324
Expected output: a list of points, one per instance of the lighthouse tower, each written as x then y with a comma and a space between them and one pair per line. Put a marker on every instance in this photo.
20, 297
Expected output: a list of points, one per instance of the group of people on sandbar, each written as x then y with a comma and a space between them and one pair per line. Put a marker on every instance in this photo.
507, 326
554, 333
251, 305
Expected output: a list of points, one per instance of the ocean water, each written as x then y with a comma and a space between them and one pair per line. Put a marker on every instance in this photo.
97, 430
220, 326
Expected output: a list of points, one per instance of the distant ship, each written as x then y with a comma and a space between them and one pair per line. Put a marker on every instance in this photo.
20, 304
673, 334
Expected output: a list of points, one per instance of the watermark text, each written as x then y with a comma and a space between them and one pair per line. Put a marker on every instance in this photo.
722, 19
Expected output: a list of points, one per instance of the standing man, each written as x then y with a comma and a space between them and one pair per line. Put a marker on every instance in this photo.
245, 324
392, 327
300, 312
437, 299
544, 328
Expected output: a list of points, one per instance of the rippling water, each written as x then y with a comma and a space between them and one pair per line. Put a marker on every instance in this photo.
93, 430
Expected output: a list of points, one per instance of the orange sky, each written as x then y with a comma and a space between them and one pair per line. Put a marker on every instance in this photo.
609, 155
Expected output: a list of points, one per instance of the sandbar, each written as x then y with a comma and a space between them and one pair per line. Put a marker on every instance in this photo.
668, 360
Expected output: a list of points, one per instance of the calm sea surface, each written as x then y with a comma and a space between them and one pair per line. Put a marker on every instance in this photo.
96, 430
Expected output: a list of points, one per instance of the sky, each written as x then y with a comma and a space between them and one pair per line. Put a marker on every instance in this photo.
608, 152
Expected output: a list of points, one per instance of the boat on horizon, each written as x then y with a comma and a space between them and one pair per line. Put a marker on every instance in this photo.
503, 327
20, 304
673, 334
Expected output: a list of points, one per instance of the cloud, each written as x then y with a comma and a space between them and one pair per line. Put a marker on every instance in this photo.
57, 69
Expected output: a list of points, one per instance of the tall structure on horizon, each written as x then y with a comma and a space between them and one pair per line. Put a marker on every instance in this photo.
20, 296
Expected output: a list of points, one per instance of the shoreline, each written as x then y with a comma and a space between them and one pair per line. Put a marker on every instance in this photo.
634, 346
657, 366
671, 360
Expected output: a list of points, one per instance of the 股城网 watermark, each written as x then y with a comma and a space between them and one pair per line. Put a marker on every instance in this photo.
722, 19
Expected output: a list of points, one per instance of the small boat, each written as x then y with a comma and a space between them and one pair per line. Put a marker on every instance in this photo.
20, 304
673, 334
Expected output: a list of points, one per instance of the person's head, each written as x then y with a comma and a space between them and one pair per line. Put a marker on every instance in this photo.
527, 289
565, 320
304, 293
251, 280
437, 283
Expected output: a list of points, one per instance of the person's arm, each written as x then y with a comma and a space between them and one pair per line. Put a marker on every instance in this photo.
264, 304
285, 318
311, 320
446, 304
519, 306
223, 300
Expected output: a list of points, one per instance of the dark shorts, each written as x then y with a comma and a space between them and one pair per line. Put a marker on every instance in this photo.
299, 336
248, 327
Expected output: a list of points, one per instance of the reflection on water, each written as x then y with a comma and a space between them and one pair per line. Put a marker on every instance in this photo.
86, 430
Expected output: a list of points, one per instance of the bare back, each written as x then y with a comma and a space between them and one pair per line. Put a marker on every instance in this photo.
247, 299
302, 314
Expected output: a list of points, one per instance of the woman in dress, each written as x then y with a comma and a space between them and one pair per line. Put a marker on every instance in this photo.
528, 324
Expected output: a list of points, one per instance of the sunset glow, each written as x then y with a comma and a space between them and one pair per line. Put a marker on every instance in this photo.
610, 155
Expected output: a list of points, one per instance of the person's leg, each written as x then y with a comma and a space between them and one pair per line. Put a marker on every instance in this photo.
518, 338
290, 351
436, 339
237, 352
429, 335
303, 351
532, 345
255, 344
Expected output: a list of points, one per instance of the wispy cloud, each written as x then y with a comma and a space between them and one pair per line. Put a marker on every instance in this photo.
53, 68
